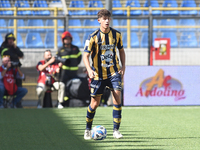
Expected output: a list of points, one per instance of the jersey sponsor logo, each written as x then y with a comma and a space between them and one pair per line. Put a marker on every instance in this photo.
107, 65
107, 47
108, 56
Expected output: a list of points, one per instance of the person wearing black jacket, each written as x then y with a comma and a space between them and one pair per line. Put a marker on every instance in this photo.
73, 56
9, 48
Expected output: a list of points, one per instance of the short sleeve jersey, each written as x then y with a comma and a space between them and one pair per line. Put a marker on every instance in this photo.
102, 47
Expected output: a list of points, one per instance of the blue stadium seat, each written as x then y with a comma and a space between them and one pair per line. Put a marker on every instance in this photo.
133, 3
35, 22
170, 3
168, 22
60, 24
34, 40
144, 39
96, 3
3, 24
134, 22
173, 38
90, 22
50, 22
115, 24
1, 39
188, 39
187, 22
57, 3
134, 40
188, 3
20, 42
5, 4
75, 22
154, 3
116, 3
41, 3
49, 40
20, 22
79, 4
23, 3
85, 37
76, 39
144, 22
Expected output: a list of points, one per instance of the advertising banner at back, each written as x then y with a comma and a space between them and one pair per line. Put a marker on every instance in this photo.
161, 85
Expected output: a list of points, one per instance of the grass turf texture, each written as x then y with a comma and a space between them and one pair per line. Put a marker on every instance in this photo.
143, 128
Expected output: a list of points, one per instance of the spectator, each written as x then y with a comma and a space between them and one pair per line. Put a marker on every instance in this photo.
73, 56
48, 68
9, 74
9, 48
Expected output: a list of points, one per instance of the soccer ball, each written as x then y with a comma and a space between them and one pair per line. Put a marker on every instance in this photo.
99, 133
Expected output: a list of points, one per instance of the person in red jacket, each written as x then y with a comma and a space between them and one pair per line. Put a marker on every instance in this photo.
48, 68
8, 75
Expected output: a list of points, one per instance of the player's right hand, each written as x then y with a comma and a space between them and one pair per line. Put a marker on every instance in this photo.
91, 74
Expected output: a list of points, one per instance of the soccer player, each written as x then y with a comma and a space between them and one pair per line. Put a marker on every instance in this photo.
105, 70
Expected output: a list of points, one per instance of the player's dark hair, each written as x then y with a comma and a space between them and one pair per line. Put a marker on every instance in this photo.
103, 13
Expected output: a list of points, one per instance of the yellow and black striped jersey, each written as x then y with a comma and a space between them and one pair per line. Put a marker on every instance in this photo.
102, 47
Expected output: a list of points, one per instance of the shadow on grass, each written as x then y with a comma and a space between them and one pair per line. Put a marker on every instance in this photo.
42, 129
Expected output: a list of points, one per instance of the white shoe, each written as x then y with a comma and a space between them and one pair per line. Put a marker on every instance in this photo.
87, 135
60, 106
39, 106
117, 134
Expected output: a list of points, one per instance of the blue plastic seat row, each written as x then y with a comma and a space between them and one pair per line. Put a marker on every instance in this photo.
5, 4
94, 22
31, 22
98, 3
136, 3
34, 40
24, 3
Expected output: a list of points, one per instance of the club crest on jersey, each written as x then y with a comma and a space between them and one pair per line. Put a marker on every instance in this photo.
113, 41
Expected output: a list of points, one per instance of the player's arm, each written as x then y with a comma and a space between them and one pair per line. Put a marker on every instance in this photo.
87, 64
122, 59
87, 50
121, 55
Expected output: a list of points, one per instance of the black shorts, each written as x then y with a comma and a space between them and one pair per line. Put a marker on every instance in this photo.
98, 86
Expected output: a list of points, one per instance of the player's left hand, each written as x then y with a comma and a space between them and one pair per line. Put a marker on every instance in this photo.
122, 71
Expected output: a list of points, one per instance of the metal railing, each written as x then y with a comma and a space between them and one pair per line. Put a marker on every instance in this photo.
128, 17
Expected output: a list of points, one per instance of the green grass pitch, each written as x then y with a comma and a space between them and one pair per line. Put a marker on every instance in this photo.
147, 128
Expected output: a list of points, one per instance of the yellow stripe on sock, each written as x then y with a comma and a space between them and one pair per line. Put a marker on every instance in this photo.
90, 110
117, 120
89, 120
115, 108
